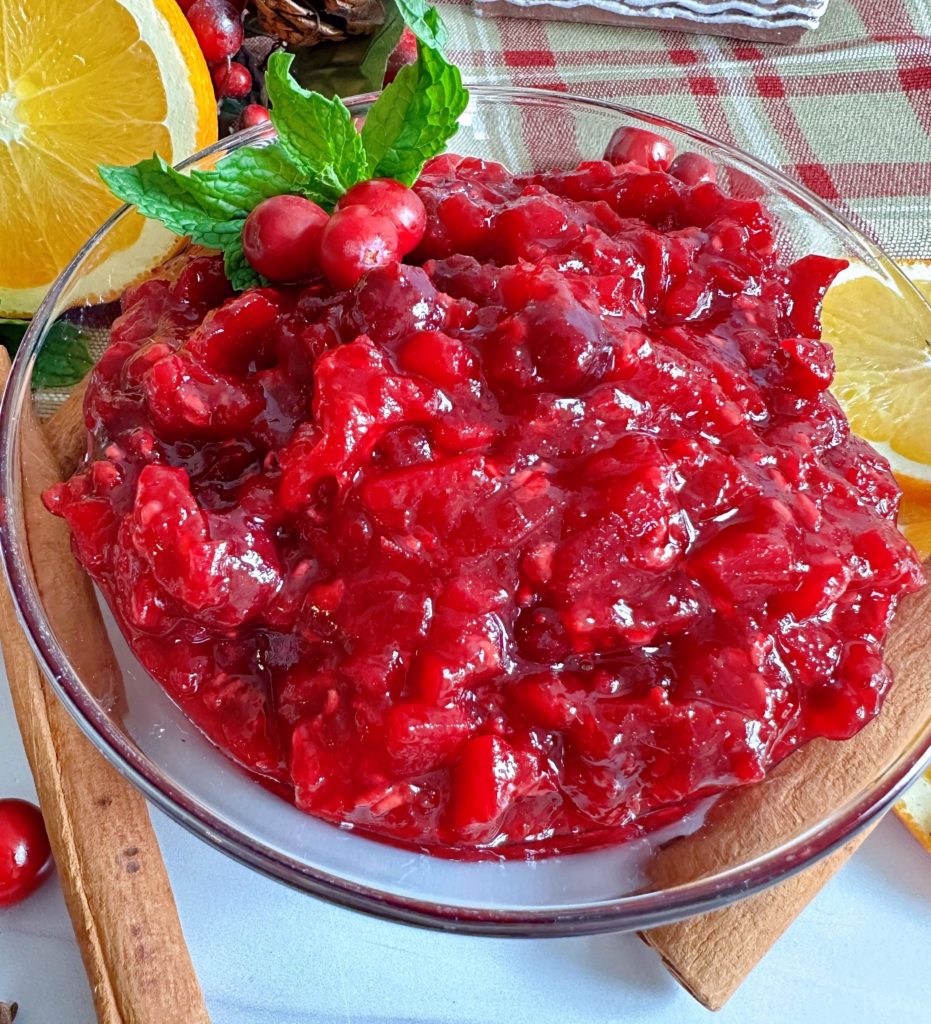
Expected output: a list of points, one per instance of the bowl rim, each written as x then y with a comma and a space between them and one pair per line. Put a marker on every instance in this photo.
630, 912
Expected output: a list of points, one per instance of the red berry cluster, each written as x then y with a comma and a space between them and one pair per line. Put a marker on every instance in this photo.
289, 238
217, 26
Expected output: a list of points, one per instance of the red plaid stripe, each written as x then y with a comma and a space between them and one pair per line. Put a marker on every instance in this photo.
847, 111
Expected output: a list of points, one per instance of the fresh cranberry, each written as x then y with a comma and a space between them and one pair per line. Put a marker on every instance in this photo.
234, 80
217, 26
354, 241
638, 146
254, 114
404, 53
693, 169
24, 850
399, 204
281, 237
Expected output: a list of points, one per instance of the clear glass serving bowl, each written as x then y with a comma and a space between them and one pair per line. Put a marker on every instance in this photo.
147, 737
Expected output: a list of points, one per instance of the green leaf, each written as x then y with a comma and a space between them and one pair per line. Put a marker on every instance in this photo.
64, 358
162, 193
316, 133
424, 21
238, 269
247, 176
353, 66
210, 206
382, 45
414, 117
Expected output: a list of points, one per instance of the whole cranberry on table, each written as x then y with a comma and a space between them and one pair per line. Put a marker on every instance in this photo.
25, 854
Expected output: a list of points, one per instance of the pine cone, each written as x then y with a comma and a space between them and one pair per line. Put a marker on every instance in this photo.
308, 22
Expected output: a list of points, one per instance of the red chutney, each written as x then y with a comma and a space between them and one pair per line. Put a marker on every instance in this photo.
551, 529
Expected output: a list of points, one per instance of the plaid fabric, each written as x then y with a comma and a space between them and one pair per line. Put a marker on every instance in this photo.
847, 111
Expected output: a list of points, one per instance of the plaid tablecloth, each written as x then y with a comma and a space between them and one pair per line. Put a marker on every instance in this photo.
847, 112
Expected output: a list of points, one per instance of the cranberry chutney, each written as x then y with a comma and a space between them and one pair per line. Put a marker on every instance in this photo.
520, 545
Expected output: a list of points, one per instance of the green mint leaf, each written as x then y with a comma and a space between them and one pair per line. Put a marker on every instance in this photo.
210, 206
64, 358
238, 269
247, 176
381, 46
205, 200
424, 21
162, 193
316, 133
414, 117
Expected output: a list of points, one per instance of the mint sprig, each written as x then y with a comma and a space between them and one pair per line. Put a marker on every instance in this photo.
424, 21
318, 153
316, 133
415, 116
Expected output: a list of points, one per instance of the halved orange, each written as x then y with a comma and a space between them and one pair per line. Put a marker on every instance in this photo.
82, 84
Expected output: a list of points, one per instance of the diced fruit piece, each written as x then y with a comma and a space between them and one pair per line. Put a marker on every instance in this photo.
443, 360
281, 237
488, 776
420, 738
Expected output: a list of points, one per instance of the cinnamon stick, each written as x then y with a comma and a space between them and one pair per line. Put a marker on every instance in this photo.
109, 863
66, 433
712, 954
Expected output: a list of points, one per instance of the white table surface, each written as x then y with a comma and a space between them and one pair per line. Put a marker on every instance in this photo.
860, 953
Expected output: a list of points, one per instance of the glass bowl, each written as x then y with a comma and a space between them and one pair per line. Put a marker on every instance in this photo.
138, 728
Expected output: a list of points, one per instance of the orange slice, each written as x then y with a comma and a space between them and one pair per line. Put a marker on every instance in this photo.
881, 338
915, 810
882, 346
109, 81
